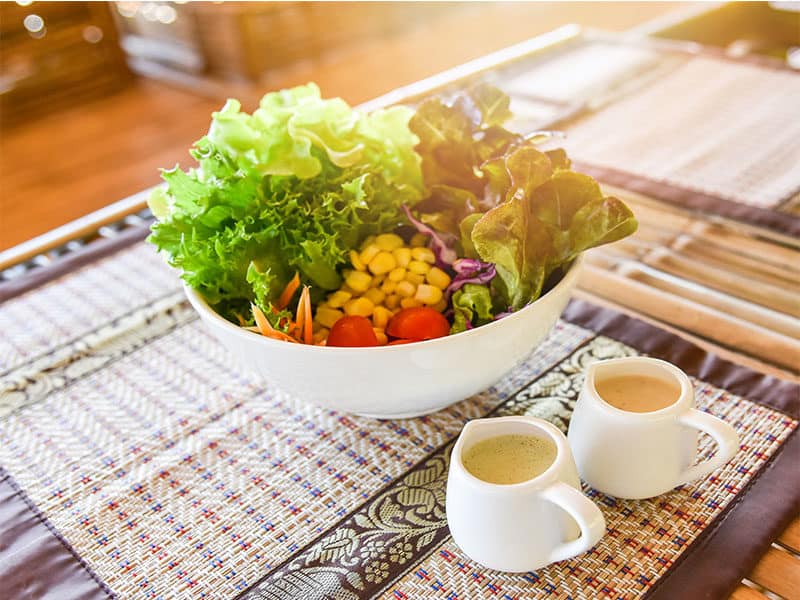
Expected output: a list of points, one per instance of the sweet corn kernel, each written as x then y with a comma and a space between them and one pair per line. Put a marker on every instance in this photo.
428, 294
388, 286
423, 254
338, 298
406, 289
379, 333
356, 261
392, 301
402, 256
374, 295
410, 303
418, 240
320, 334
368, 253
438, 278
397, 274
362, 307
382, 263
358, 281
440, 306
381, 316
388, 241
415, 278
328, 316
370, 239
419, 267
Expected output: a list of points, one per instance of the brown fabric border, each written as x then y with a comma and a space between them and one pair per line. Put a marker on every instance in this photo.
38, 562
75, 260
774, 220
728, 549
775, 393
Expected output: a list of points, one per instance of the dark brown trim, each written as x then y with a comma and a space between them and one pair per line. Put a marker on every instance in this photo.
75, 260
774, 220
37, 561
728, 549
773, 392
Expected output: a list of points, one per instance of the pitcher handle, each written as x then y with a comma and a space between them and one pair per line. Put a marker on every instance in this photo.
723, 434
585, 513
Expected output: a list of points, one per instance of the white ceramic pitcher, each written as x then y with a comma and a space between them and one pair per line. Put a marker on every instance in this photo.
640, 455
522, 526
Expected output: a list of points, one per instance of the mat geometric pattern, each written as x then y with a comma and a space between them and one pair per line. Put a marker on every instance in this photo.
173, 473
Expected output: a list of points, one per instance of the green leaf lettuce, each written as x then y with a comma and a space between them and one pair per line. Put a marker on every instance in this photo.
291, 187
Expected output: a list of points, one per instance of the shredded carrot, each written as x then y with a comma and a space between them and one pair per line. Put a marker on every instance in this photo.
303, 328
299, 320
266, 329
308, 326
242, 322
288, 292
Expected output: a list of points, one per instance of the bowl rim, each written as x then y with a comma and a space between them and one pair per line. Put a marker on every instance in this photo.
202, 307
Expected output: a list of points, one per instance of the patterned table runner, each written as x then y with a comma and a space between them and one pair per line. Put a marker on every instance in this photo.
139, 461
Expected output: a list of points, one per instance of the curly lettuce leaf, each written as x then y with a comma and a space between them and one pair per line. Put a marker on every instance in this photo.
292, 187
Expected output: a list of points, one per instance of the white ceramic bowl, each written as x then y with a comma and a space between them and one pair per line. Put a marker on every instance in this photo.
399, 381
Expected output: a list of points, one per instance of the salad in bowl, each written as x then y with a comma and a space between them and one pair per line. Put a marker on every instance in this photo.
365, 242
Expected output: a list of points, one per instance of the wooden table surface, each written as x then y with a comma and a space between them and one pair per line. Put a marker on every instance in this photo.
112, 148
60, 166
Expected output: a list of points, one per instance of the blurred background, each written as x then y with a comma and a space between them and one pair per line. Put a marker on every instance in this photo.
95, 97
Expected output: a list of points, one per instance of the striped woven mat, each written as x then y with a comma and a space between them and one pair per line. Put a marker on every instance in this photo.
138, 461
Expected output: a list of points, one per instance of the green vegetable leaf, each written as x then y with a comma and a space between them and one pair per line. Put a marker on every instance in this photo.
455, 139
446, 206
486, 104
465, 231
472, 304
527, 169
508, 202
600, 221
546, 223
292, 187
519, 245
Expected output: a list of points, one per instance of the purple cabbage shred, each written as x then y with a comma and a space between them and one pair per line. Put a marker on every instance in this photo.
469, 270
441, 243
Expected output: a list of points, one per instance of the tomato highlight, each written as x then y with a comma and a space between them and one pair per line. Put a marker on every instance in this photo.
353, 332
418, 323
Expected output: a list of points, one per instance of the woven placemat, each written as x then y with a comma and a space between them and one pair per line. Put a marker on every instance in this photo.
147, 464
733, 134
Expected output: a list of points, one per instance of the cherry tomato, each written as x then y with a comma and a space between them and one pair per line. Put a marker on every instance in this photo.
352, 331
398, 342
418, 323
